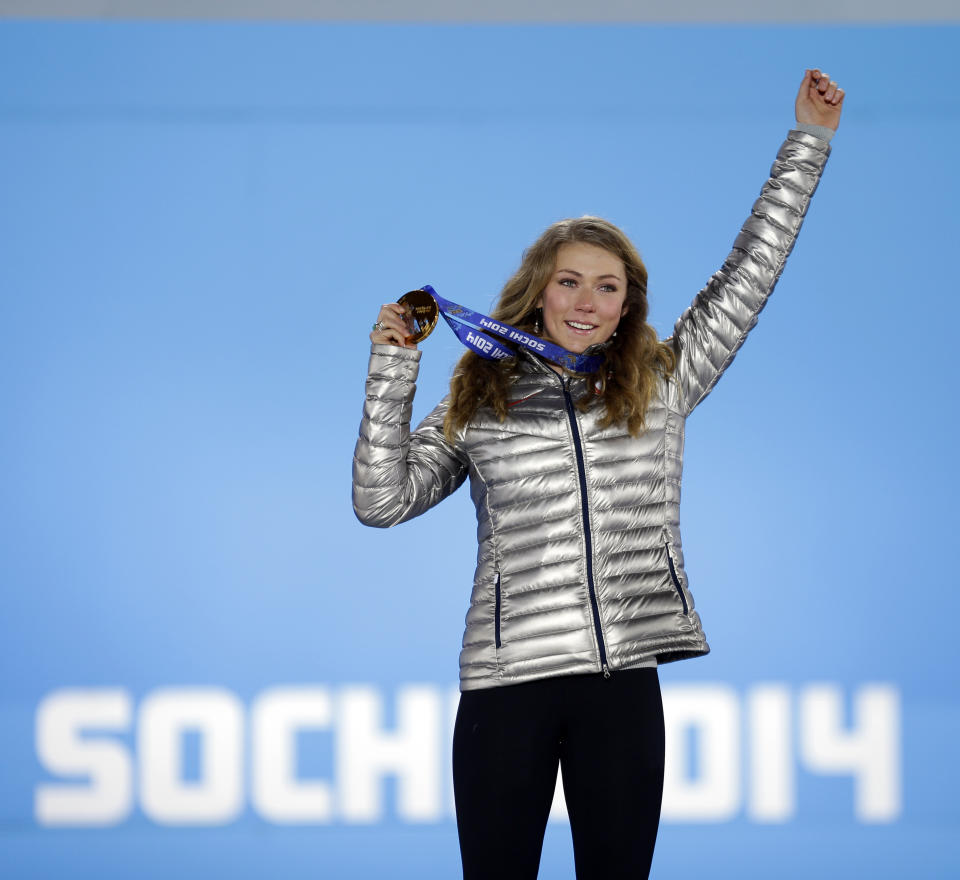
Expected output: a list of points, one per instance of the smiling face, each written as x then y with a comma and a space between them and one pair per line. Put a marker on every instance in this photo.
585, 296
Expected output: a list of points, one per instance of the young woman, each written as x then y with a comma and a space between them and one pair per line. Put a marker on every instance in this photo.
580, 590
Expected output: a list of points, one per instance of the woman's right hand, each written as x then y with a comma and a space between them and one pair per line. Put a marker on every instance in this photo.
394, 327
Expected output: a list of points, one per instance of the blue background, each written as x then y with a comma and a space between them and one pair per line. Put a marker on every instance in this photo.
198, 223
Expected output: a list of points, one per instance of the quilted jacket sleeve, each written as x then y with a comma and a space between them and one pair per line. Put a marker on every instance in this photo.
709, 333
398, 475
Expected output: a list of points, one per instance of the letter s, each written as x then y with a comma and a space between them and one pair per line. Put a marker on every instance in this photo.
107, 798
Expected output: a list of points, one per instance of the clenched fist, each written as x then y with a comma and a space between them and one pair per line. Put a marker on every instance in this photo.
819, 100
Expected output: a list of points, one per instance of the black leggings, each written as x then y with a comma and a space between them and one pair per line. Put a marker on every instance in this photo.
607, 736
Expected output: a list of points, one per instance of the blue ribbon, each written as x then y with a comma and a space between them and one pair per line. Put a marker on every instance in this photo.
472, 329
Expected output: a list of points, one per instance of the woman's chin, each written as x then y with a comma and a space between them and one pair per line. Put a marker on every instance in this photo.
579, 344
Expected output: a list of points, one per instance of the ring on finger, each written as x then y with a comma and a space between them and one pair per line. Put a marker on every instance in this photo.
378, 327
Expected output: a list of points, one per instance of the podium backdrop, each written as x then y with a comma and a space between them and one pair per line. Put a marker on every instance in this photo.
208, 667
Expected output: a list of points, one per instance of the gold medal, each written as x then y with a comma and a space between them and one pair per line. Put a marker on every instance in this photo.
422, 313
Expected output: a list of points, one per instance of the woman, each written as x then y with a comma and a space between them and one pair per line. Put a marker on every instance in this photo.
580, 590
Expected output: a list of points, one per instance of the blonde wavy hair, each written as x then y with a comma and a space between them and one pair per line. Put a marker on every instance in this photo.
635, 357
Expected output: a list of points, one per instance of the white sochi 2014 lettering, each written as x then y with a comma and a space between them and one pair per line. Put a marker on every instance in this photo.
493, 325
411, 753
711, 713
772, 793
528, 341
165, 715
277, 716
483, 344
869, 751
708, 728
106, 798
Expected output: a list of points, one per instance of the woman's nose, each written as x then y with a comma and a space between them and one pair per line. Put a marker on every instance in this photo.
585, 300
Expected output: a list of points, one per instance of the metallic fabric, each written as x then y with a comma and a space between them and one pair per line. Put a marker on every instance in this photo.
580, 562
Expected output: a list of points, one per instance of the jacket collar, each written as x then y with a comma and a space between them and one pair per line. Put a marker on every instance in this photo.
541, 365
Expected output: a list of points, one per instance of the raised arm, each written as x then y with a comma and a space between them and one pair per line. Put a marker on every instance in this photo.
397, 475
709, 333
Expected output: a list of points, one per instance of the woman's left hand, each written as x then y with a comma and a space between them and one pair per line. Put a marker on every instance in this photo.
819, 100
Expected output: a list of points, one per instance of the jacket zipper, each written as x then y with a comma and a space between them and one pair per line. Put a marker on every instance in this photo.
582, 473
497, 612
676, 580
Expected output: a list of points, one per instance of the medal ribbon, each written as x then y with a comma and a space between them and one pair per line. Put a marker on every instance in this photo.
472, 329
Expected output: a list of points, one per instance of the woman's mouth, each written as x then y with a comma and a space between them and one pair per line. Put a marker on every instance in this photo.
580, 328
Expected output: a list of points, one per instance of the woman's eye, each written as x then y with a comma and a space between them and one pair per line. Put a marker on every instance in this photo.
568, 282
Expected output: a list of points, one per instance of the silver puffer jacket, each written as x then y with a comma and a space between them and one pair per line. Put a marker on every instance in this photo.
580, 566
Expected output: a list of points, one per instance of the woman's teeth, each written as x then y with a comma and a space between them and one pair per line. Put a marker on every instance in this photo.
577, 326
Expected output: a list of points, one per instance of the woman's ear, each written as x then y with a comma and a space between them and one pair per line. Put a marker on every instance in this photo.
624, 310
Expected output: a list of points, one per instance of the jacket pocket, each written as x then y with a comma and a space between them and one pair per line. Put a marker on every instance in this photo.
496, 612
676, 580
